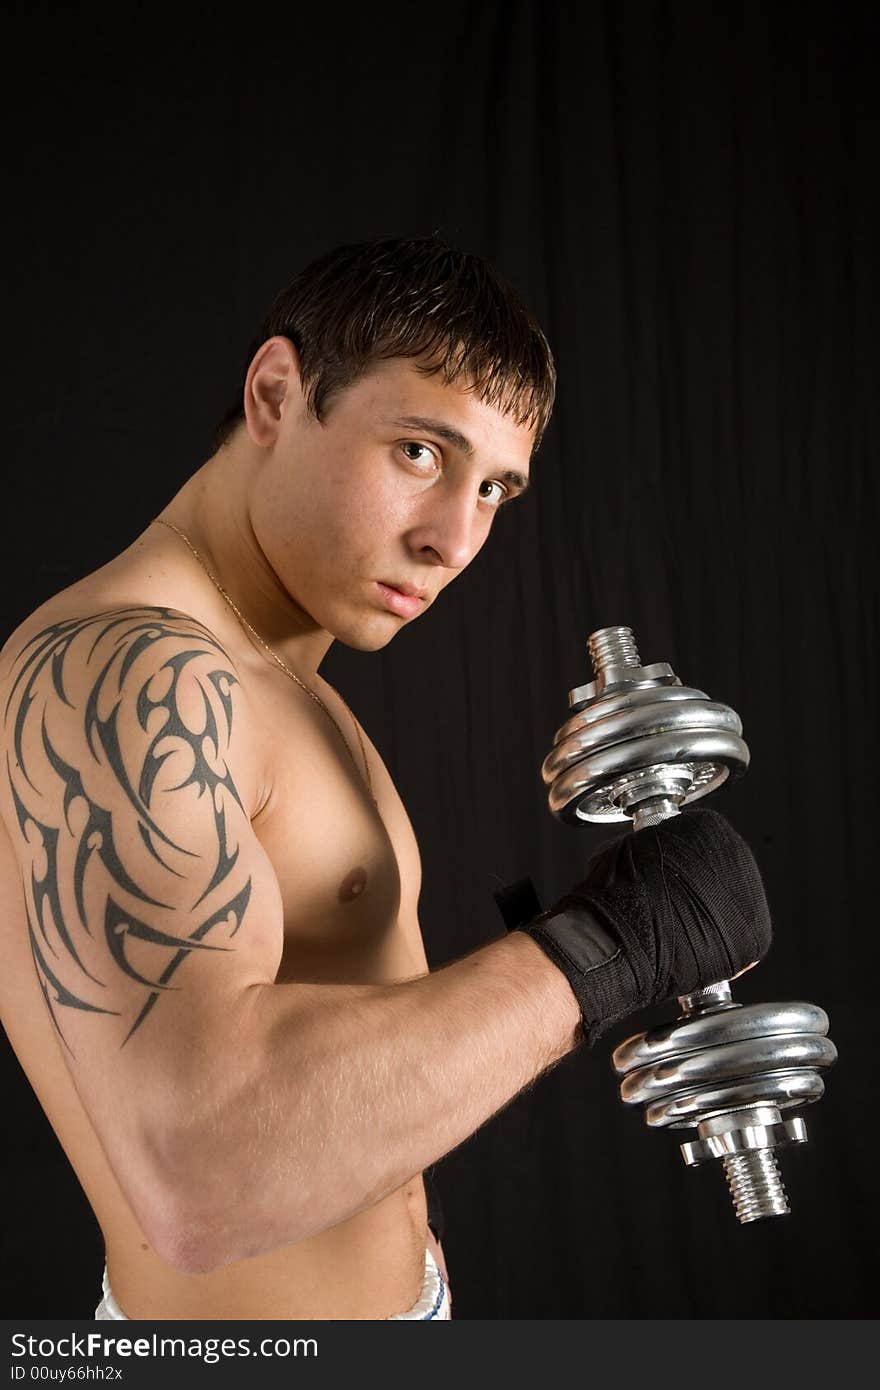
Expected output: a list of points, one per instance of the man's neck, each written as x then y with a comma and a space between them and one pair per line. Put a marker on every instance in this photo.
212, 511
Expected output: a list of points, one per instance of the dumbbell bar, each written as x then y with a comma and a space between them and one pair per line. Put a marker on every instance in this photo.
638, 746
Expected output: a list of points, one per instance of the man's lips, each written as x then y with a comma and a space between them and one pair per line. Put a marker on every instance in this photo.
406, 605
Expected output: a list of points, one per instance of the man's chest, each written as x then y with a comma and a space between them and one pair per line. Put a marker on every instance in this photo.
345, 866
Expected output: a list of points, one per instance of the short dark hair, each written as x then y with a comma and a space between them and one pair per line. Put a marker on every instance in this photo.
413, 297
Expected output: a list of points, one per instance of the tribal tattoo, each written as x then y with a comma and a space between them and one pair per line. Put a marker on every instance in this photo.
85, 770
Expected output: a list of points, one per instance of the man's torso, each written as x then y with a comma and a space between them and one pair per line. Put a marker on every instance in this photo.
348, 874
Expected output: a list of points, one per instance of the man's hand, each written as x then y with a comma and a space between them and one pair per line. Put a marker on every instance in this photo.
661, 912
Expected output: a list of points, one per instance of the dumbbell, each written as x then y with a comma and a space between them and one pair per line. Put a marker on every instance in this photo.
638, 746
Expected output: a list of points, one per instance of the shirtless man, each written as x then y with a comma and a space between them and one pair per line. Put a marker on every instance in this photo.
214, 975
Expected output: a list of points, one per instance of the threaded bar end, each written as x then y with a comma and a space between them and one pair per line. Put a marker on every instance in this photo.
612, 646
755, 1185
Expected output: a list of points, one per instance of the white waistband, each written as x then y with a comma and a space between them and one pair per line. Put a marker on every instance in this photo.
432, 1303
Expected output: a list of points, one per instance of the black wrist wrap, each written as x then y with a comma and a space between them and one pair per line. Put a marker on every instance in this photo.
662, 912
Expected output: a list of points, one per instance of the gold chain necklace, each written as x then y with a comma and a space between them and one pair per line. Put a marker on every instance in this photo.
277, 659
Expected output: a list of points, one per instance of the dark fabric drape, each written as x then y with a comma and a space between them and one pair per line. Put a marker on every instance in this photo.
686, 196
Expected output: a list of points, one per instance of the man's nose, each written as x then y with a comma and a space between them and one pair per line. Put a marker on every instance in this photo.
448, 531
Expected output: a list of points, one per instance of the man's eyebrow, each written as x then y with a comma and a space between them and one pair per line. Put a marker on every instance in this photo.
458, 441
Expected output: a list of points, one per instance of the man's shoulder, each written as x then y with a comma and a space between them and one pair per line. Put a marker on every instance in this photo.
79, 650
64, 619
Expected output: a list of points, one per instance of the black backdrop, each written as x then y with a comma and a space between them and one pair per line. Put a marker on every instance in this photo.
686, 195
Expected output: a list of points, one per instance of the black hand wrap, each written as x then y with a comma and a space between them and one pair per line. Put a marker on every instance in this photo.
662, 912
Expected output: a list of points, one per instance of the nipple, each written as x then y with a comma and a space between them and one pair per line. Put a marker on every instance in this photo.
353, 885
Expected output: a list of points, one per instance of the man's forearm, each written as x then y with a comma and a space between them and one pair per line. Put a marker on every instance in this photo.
347, 1091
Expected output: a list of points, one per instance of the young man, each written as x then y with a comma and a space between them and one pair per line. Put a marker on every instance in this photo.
205, 869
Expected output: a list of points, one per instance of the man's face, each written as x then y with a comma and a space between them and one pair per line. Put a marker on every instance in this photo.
397, 487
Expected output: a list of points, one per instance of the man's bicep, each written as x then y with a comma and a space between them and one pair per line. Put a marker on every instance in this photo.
151, 905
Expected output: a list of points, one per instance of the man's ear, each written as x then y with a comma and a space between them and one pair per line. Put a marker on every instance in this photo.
273, 387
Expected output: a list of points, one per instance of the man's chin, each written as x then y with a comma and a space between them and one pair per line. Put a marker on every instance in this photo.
361, 642
369, 636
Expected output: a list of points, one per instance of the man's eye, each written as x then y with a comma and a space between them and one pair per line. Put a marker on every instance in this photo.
500, 495
427, 454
